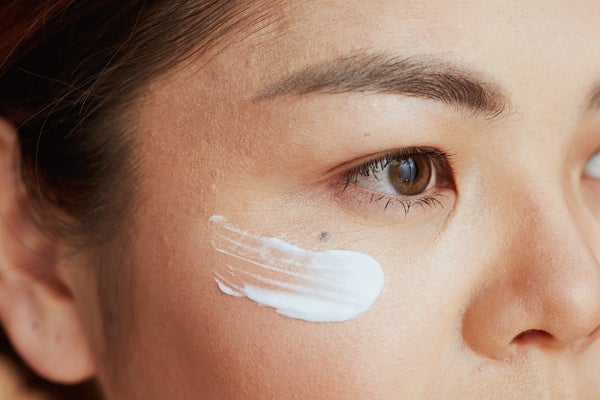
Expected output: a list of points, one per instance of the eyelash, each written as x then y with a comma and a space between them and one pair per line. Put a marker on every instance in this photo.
439, 159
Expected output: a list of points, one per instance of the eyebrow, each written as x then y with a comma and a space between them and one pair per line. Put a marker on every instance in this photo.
421, 77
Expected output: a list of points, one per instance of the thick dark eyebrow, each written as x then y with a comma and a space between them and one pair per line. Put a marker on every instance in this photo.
415, 77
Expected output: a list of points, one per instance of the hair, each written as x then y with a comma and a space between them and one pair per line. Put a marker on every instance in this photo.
71, 75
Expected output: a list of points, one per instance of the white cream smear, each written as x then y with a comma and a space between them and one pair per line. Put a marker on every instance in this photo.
327, 286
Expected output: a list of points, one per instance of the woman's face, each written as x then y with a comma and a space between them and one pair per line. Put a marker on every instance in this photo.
448, 144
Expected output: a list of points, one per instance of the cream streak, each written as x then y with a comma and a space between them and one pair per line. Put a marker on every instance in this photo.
327, 286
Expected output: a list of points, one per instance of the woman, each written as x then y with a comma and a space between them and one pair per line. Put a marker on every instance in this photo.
337, 200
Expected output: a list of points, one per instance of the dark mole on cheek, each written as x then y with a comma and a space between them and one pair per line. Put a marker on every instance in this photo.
324, 236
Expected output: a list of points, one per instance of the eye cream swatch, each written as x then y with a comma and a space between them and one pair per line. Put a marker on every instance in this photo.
327, 286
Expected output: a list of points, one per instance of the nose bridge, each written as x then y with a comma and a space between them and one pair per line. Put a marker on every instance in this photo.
542, 284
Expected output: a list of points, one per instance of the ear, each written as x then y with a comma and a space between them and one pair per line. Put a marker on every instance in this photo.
37, 308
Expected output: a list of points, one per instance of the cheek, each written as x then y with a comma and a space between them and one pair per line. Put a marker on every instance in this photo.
180, 326
314, 286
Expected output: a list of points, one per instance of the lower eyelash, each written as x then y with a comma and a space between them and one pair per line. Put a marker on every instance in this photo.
426, 202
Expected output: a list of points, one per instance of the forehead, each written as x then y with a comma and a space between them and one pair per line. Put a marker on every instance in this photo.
552, 38
445, 23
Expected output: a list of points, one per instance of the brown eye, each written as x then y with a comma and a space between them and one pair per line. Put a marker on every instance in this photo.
410, 175
406, 173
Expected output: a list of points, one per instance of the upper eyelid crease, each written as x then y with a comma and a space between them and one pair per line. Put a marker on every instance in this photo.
423, 77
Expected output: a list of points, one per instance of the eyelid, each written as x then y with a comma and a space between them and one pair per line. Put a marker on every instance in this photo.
440, 159
439, 155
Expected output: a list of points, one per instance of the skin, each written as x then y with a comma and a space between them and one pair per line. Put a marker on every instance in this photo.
494, 293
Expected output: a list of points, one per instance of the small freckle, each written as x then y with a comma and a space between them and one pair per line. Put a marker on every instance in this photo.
366, 135
324, 237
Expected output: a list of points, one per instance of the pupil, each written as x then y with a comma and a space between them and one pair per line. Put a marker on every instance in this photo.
411, 175
408, 170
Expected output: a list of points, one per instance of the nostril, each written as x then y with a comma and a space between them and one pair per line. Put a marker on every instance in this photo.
531, 335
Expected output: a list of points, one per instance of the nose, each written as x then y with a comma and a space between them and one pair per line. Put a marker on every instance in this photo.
541, 287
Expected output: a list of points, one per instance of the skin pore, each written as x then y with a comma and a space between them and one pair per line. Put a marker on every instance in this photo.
492, 280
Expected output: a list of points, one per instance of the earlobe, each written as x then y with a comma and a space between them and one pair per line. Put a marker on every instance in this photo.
37, 308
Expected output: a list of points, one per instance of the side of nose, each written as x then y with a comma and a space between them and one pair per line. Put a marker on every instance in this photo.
542, 288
